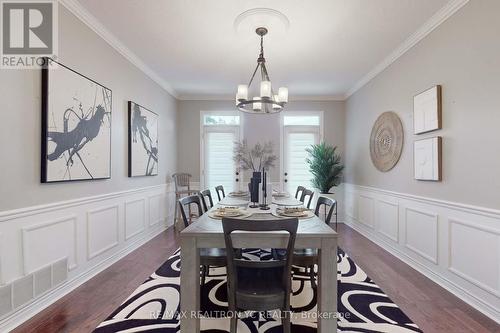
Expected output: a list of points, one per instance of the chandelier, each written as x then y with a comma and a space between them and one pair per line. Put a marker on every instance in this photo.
268, 101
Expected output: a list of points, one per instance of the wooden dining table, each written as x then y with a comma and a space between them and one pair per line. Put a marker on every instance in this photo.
206, 232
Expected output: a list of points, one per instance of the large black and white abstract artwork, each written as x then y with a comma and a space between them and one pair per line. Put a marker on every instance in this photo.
143, 141
76, 126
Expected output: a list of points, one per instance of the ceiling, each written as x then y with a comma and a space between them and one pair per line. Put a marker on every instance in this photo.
328, 48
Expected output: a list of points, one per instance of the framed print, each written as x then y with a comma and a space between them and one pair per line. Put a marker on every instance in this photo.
427, 159
142, 141
76, 126
427, 110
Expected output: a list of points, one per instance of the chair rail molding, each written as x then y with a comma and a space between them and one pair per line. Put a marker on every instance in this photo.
89, 233
440, 239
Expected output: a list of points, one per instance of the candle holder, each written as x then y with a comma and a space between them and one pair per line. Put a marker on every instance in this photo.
264, 205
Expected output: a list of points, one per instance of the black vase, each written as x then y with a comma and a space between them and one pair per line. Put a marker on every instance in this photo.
253, 187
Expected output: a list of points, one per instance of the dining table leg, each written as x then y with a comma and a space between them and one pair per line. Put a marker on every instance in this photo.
190, 285
327, 286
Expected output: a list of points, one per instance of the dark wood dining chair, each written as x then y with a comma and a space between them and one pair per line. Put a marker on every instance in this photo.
209, 256
206, 194
299, 191
307, 193
220, 192
307, 258
259, 285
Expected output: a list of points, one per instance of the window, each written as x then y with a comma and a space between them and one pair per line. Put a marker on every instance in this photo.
219, 132
213, 120
301, 120
300, 131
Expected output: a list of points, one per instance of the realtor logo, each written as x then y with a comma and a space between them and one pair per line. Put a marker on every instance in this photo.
28, 33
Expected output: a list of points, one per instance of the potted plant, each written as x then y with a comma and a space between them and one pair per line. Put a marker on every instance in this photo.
324, 164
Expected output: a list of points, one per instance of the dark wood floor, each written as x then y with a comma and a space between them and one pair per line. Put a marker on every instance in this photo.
431, 307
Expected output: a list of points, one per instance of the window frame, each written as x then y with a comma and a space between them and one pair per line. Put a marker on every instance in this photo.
283, 114
221, 128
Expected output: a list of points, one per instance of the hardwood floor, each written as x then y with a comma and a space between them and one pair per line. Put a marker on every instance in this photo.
431, 307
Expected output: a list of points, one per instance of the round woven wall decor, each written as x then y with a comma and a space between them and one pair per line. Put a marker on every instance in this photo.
386, 141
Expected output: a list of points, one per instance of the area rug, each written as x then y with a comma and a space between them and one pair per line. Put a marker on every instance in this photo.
154, 306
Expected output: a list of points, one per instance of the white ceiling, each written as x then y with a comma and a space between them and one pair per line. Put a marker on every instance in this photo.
329, 47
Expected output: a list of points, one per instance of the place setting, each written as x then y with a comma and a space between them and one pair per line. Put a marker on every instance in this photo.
298, 212
228, 211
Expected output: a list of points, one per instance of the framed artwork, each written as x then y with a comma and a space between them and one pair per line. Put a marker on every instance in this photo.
142, 141
76, 126
427, 159
427, 110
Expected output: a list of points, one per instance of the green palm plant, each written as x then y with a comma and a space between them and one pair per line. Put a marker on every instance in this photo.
324, 164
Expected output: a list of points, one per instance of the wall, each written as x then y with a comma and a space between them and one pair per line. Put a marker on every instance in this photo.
449, 230
462, 56
188, 122
53, 237
82, 50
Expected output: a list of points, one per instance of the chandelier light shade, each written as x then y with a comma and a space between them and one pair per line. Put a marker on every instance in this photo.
268, 101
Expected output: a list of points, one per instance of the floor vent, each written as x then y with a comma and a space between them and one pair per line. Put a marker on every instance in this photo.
23, 290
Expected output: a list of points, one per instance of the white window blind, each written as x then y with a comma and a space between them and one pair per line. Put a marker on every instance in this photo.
219, 164
296, 166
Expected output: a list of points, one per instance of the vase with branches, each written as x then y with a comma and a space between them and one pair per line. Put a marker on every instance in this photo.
324, 165
256, 158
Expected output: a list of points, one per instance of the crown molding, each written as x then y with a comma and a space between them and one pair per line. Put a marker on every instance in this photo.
223, 97
436, 20
91, 21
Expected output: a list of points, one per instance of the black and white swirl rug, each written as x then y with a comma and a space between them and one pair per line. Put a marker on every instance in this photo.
154, 306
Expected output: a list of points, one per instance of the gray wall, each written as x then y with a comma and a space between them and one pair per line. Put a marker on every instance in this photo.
463, 55
82, 50
254, 129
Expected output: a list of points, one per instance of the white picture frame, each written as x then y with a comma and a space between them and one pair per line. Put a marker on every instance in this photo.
427, 110
427, 157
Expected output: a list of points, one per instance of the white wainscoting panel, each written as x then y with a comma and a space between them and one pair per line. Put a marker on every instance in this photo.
155, 209
350, 204
77, 239
47, 242
103, 230
135, 217
480, 266
367, 210
388, 219
421, 233
455, 245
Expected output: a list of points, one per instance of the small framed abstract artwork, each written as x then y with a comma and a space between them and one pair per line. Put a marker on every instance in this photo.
76, 126
142, 141
428, 159
427, 110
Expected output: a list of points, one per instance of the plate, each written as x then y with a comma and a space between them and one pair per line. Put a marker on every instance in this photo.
220, 215
300, 213
239, 194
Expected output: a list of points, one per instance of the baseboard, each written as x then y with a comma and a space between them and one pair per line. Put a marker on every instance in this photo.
29, 310
450, 286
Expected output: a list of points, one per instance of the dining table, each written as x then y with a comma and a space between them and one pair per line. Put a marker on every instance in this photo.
206, 232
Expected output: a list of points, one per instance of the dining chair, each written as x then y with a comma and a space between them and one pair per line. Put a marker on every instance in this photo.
206, 193
306, 193
220, 192
300, 189
208, 256
182, 182
259, 285
307, 258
